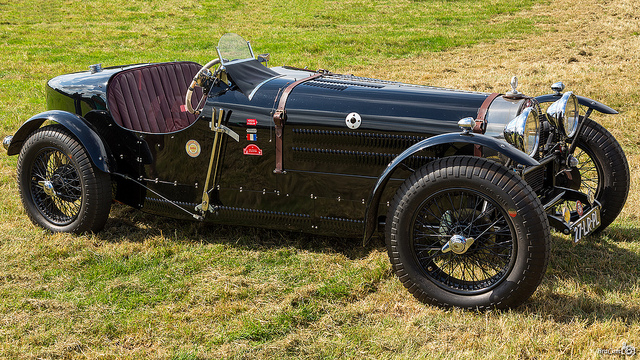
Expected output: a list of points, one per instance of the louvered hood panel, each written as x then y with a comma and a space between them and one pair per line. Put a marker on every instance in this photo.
387, 106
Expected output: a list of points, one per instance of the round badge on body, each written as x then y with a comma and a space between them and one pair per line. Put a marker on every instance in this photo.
193, 148
353, 120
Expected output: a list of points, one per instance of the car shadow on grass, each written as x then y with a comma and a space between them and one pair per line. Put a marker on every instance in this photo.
128, 224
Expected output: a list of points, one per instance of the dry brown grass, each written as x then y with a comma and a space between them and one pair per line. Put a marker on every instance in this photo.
592, 46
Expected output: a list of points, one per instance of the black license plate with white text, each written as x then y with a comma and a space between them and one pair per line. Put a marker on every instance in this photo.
586, 224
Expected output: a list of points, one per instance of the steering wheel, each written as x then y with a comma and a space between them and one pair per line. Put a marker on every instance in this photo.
195, 82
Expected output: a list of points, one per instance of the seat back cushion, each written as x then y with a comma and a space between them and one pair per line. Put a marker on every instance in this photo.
150, 98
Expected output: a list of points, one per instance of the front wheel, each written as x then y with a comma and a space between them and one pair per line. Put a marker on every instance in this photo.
603, 169
60, 188
467, 232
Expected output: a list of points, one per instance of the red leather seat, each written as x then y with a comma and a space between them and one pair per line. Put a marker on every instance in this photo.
150, 98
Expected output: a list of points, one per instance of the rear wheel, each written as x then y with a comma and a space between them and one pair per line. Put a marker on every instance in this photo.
467, 232
60, 188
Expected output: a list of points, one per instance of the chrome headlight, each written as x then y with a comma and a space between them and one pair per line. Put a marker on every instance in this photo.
523, 131
6, 142
565, 113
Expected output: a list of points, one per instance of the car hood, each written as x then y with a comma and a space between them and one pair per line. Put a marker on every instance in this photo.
382, 105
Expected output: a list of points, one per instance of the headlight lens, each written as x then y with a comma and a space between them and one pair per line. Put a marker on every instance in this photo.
523, 131
565, 113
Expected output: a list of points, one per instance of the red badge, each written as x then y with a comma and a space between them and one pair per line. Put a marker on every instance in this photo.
579, 208
252, 149
252, 122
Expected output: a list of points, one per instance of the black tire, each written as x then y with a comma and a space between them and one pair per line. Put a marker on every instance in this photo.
60, 188
468, 196
603, 169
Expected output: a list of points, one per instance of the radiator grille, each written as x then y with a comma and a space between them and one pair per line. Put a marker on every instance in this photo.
535, 179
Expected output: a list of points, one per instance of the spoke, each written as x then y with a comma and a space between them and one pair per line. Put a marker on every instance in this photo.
489, 227
475, 207
423, 236
40, 168
431, 257
422, 247
444, 264
440, 210
590, 168
434, 228
490, 264
472, 270
453, 207
452, 268
486, 268
481, 215
499, 233
422, 225
465, 270
487, 274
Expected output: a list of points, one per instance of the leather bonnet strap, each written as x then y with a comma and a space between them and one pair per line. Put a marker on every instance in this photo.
481, 120
280, 117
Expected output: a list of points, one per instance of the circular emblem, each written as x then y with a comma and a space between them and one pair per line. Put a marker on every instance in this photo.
353, 120
193, 148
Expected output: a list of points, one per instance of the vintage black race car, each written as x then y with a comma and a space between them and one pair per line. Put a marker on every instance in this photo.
465, 186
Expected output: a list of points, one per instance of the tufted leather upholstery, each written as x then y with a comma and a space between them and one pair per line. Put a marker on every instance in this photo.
150, 98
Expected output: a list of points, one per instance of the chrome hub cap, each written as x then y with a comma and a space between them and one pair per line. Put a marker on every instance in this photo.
458, 244
47, 186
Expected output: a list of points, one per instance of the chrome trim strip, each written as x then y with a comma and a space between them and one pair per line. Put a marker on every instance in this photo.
260, 85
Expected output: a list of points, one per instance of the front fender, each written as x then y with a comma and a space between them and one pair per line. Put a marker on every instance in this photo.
500, 146
82, 130
584, 101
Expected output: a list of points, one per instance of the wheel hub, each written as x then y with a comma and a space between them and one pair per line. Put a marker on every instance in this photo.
458, 244
48, 188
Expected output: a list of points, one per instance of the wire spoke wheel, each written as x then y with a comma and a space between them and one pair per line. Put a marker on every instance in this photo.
60, 188
470, 214
603, 170
56, 186
465, 231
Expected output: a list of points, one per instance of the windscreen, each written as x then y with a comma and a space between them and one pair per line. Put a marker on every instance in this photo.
233, 47
238, 61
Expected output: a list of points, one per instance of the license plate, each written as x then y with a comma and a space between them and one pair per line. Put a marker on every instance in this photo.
586, 224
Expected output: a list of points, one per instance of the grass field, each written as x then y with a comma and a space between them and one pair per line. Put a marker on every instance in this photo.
158, 288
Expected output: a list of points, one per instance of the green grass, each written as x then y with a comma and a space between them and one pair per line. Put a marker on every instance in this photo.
41, 39
158, 288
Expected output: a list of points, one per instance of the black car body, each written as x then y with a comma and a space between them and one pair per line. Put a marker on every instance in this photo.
484, 175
